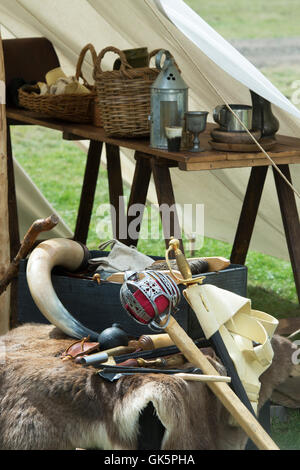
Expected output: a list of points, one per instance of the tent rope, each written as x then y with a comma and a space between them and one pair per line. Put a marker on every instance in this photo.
220, 95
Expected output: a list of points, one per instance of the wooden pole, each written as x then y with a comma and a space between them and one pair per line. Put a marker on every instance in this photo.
227, 397
4, 221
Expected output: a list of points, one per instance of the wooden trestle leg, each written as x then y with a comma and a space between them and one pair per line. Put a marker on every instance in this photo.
88, 191
166, 200
138, 197
290, 219
115, 185
248, 215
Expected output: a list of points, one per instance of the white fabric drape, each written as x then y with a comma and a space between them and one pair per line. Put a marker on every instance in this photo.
70, 24
32, 205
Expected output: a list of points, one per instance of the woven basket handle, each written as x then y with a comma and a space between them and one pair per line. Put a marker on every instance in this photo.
88, 47
124, 63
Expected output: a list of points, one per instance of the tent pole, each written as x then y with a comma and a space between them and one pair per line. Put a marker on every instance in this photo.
4, 232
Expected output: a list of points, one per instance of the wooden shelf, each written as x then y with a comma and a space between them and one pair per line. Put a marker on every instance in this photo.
286, 151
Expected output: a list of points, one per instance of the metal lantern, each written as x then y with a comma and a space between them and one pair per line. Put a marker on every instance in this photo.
169, 100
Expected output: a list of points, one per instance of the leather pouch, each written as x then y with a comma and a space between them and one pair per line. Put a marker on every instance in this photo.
80, 348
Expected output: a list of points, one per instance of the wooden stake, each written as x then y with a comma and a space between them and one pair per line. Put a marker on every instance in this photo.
4, 232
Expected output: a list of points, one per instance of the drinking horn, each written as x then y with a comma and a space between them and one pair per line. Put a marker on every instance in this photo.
70, 255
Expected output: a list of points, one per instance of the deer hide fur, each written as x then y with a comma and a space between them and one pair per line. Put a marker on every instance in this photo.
46, 403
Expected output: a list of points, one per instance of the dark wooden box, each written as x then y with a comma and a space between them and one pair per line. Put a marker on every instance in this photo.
98, 306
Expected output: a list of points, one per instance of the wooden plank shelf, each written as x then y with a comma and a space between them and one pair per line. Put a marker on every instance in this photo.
286, 150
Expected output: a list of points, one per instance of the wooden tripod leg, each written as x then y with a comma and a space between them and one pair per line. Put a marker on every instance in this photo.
138, 196
115, 184
166, 202
88, 191
290, 219
248, 215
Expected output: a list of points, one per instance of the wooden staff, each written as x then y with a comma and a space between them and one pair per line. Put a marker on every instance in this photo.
221, 389
39, 226
4, 232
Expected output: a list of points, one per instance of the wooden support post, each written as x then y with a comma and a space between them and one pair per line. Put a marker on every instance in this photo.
166, 201
115, 184
290, 219
248, 215
138, 195
88, 191
4, 232
13, 229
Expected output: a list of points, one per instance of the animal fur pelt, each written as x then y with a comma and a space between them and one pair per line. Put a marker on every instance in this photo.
46, 403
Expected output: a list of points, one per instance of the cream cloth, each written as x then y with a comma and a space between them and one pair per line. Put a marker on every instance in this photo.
121, 258
246, 332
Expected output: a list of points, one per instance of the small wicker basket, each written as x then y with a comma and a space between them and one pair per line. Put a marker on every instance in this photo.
124, 96
68, 107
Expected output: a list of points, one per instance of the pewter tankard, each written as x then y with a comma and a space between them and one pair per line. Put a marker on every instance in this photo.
228, 122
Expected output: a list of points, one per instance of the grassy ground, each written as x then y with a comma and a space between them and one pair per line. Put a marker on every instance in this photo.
285, 78
254, 20
286, 434
245, 20
57, 168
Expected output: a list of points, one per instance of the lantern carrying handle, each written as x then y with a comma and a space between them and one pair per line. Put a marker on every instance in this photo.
168, 59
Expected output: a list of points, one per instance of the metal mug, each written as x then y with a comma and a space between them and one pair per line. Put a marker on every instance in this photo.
228, 122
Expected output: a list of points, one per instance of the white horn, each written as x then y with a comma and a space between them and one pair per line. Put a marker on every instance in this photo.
48, 254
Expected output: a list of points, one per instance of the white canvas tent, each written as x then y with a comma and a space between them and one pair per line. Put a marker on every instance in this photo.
169, 24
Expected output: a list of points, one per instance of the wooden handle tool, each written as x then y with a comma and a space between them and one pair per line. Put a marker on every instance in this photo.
214, 263
119, 277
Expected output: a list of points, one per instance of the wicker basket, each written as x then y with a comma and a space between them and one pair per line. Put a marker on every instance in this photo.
124, 96
68, 107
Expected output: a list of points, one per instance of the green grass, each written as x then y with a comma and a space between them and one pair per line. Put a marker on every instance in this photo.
286, 434
244, 19
286, 79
